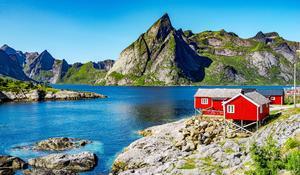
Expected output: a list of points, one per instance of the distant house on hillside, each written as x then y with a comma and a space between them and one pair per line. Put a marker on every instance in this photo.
276, 96
209, 101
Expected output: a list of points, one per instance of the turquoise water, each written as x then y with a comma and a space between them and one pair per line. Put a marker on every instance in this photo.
110, 123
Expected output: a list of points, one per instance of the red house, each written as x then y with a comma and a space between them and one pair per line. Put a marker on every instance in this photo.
250, 106
209, 101
276, 96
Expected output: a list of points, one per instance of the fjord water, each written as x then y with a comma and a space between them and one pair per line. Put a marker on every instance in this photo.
111, 123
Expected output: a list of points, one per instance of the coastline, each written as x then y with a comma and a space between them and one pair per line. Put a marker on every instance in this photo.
41, 95
174, 148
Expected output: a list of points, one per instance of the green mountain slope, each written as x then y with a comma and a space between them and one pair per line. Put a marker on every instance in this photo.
82, 74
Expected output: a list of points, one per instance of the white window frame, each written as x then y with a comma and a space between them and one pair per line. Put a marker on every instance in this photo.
230, 109
261, 109
204, 101
272, 98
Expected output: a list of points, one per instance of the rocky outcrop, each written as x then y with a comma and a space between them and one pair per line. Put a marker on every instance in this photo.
263, 61
60, 144
40, 95
8, 164
42, 171
194, 146
159, 56
73, 162
104, 65
11, 162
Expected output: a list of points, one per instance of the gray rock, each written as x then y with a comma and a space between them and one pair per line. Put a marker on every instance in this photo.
11, 162
41, 171
83, 161
6, 171
60, 144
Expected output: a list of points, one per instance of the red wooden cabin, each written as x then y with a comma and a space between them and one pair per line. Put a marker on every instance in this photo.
275, 96
209, 101
250, 106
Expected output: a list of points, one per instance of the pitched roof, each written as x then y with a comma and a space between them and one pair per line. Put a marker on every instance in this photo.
257, 97
217, 92
270, 92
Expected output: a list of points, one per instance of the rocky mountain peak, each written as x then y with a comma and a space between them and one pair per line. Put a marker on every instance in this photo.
9, 66
8, 49
259, 35
14, 54
161, 28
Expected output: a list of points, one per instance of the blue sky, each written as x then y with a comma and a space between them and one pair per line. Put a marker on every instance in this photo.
83, 30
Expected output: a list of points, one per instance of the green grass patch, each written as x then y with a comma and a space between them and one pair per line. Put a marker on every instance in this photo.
189, 164
17, 86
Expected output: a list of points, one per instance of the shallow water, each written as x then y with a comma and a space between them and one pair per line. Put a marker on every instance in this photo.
110, 123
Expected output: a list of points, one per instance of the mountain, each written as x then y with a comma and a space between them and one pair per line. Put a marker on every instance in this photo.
9, 66
45, 68
18, 55
159, 56
166, 56
265, 58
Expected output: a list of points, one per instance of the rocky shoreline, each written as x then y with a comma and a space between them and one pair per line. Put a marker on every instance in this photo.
58, 163
198, 146
40, 95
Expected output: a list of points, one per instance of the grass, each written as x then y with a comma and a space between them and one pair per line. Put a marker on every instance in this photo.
23, 86
280, 115
229, 151
210, 166
189, 164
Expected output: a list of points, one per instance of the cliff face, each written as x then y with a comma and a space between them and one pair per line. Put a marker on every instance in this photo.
9, 66
17, 55
166, 56
159, 56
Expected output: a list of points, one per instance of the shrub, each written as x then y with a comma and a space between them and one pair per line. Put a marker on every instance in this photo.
293, 162
267, 159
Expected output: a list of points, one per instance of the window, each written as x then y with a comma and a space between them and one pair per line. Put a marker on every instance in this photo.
204, 100
230, 108
272, 98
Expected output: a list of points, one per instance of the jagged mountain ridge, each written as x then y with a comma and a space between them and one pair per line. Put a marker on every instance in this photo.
9, 66
43, 67
166, 56
159, 56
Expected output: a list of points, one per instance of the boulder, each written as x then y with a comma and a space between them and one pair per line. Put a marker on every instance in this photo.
6, 171
41, 171
10, 162
60, 144
83, 161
